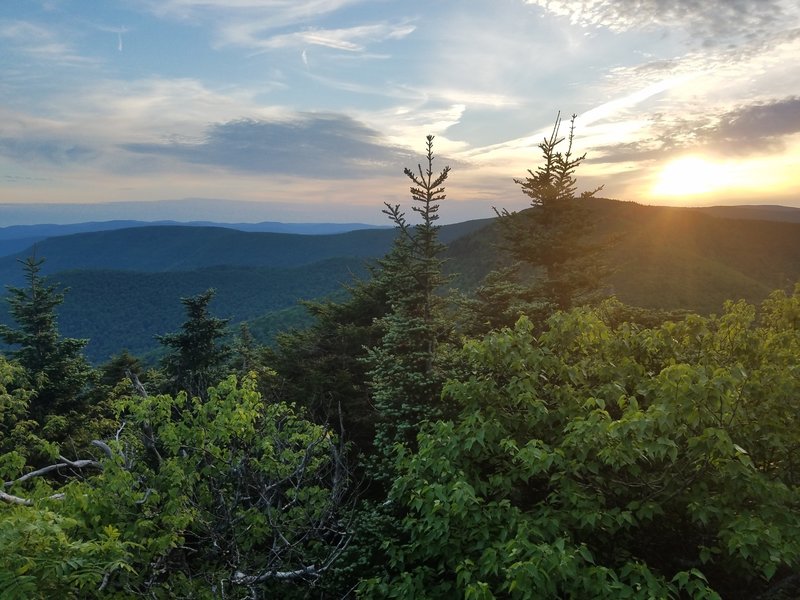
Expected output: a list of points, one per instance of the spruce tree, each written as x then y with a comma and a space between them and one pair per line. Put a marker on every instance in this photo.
198, 358
553, 237
55, 366
403, 371
323, 367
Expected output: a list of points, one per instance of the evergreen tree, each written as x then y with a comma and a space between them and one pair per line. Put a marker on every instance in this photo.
553, 237
198, 358
403, 369
55, 365
245, 351
404, 373
322, 367
118, 368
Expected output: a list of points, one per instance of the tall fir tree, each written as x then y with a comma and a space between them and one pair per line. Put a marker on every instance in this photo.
55, 366
403, 372
198, 357
403, 369
553, 237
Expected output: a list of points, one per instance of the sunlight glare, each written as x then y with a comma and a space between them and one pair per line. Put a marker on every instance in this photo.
692, 176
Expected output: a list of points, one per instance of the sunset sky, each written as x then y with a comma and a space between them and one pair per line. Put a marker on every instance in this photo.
312, 108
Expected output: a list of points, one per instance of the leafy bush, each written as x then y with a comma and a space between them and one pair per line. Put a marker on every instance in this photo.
194, 498
610, 463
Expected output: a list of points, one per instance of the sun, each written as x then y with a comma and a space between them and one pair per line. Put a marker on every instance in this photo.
693, 176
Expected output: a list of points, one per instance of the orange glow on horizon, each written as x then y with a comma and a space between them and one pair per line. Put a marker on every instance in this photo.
694, 176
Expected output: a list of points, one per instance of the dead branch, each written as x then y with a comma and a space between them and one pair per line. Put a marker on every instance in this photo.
11, 499
240, 578
104, 447
77, 464
65, 463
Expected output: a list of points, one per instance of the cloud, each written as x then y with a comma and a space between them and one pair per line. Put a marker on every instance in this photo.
52, 151
709, 19
264, 25
756, 127
744, 130
311, 146
41, 43
282, 12
149, 109
118, 31
353, 39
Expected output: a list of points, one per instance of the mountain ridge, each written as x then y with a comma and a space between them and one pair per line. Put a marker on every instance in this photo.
16, 238
664, 257
182, 248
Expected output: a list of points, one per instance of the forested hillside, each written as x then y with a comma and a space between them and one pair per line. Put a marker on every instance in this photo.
118, 310
126, 285
183, 248
17, 238
162, 249
669, 258
530, 437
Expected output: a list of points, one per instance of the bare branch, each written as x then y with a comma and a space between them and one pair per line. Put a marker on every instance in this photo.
78, 464
11, 499
104, 447
134, 379
240, 578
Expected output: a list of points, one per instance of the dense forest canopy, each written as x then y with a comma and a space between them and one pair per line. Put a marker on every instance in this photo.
528, 437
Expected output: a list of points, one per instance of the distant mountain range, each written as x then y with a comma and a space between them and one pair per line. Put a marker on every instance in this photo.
126, 284
762, 212
205, 209
16, 238
181, 248
126, 281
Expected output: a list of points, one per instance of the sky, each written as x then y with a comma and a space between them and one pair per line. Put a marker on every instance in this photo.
309, 110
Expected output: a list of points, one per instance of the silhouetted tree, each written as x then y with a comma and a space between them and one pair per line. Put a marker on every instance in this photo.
553, 236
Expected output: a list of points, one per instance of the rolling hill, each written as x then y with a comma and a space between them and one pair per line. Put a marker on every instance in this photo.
167, 248
17, 238
126, 284
156, 249
763, 212
668, 257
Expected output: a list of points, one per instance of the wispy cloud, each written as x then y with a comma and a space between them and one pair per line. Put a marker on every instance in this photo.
266, 25
41, 43
353, 39
153, 108
118, 31
282, 12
